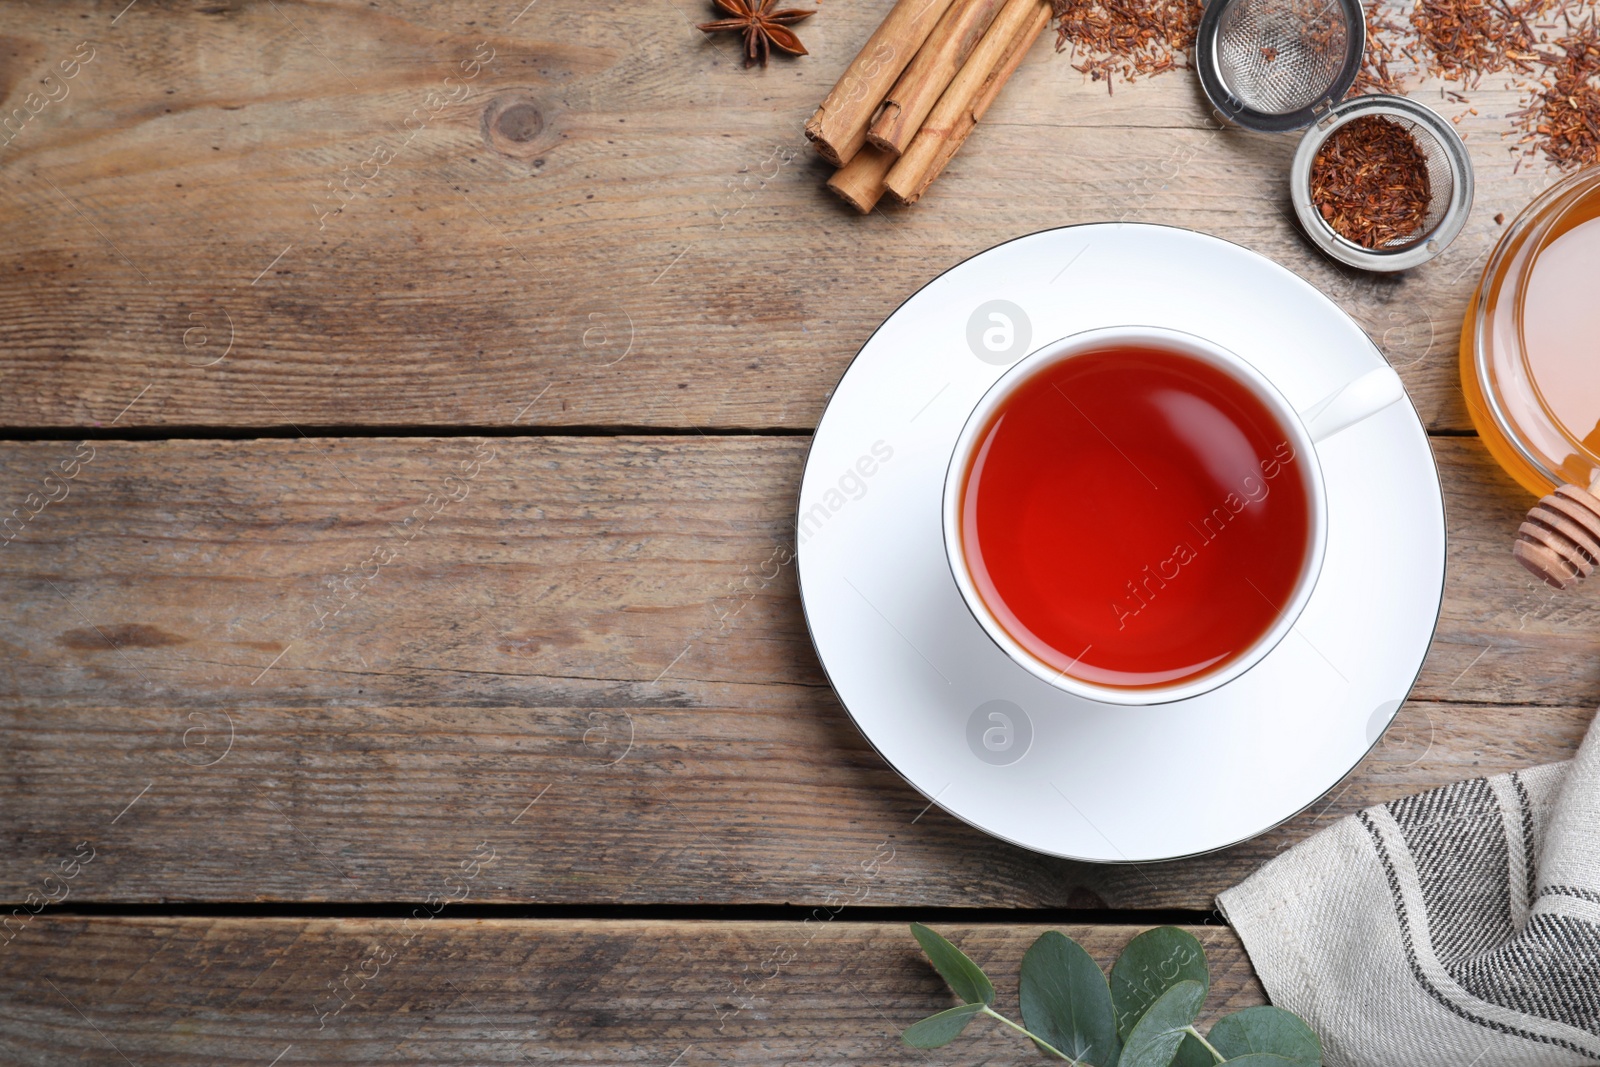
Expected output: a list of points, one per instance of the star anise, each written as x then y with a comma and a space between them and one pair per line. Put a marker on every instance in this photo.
762, 27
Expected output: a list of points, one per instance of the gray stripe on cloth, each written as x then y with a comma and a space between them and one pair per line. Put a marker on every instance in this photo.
1456, 927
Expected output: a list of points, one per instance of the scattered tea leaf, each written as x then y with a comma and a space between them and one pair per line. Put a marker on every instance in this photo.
964, 977
938, 1030
1066, 1001
1154, 1039
1268, 1031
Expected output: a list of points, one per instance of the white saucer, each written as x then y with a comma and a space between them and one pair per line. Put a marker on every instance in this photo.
1012, 755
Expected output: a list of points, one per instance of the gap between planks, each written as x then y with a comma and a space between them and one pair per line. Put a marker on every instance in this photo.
31, 434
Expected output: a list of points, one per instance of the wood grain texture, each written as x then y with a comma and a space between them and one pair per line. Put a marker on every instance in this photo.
620, 228
559, 669
595, 659
213, 991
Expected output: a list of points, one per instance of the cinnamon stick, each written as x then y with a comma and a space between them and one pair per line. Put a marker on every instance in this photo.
839, 127
930, 73
952, 115
860, 182
971, 92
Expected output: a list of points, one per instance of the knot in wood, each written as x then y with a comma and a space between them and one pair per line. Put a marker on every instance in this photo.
513, 124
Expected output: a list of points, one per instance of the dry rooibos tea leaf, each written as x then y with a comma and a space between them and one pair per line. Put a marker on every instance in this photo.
1370, 182
1126, 37
1566, 115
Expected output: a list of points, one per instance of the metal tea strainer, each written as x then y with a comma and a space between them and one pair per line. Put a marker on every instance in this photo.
1278, 65
1449, 184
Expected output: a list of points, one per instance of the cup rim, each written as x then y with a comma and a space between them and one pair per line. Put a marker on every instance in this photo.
1182, 343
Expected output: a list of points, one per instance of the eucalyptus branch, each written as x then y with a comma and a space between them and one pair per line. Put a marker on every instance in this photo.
1144, 1016
1041, 1042
1220, 1058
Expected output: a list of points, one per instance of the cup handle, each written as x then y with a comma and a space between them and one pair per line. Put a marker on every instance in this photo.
1352, 403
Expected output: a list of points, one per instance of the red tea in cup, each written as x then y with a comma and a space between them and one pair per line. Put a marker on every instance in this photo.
1135, 517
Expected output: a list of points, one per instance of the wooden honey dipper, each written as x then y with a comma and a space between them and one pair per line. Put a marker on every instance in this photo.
1559, 541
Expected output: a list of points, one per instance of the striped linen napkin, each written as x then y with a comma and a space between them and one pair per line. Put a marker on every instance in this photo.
1456, 928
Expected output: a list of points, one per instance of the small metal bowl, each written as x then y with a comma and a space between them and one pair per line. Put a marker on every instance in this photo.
1449, 178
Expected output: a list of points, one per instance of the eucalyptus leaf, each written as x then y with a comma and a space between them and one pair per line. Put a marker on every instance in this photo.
964, 977
1066, 1001
941, 1029
1262, 1059
1154, 1039
1266, 1031
1154, 962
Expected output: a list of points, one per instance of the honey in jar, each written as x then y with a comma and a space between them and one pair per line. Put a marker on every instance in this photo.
1530, 345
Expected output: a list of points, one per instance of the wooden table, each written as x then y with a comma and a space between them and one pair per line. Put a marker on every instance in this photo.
405, 645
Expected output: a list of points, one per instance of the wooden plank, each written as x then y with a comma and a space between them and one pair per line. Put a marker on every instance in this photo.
760, 803
206, 991
602, 229
593, 658
567, 571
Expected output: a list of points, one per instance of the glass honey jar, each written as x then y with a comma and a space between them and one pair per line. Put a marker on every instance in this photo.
1530, 370
1530, 344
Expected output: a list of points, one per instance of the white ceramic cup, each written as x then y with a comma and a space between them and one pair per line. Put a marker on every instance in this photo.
1355, 401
